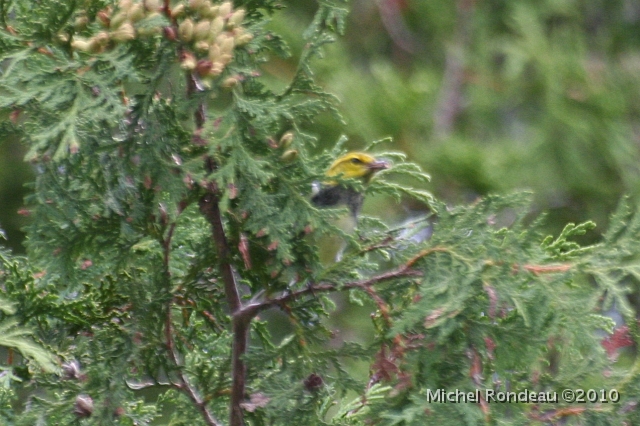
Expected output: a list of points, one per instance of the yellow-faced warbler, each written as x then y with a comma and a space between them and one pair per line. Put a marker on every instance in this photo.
356, 165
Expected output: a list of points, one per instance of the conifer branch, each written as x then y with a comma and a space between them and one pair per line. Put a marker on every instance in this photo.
209, 207
252, 310
545, 269
184, 383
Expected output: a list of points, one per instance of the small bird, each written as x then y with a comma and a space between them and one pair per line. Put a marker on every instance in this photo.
356, 165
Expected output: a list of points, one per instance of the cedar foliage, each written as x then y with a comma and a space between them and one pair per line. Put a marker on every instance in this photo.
168, 214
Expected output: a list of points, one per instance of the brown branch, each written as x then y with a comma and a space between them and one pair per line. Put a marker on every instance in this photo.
254, 309
545, 269
209, 207
184, 384
425, 253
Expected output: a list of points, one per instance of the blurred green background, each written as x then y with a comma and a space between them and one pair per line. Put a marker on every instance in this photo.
488, 96
491, 96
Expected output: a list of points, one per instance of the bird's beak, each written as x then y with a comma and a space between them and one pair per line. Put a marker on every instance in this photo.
378, 165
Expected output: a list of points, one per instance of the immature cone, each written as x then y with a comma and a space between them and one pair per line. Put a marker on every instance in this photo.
177, 11
81, 23
81, 45
136, 12
118, 19
102, 38
124, 33
226, 43
71, 370
188, 61
98, 42
202, 46
217, 25
289, 155
204, 67
230, 82
225, 9
195, 4
204, 8
153, 5
83, 406
104, 16
186, 30
313, 382
216, 69
286, 139
170, 33
201, 30
243, 39
214, 52
213, 11
236, 18
125, 4
225, 58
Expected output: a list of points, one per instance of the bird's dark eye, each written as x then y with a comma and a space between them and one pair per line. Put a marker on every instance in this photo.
356, 161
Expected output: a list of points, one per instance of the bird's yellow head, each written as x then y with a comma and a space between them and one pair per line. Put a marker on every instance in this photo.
357, 165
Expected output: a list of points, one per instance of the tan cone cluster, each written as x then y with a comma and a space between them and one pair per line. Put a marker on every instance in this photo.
209, 32
212, 32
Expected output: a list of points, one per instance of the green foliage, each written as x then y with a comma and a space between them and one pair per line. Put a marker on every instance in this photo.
170, 220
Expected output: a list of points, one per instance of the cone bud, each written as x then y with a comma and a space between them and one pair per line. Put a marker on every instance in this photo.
230, 82
118, 19
214, 11
204, 67
170, 33
225, 9
177, 11
201, 30
195, 4
202, 46
136, 12
124, 33
289, 155
186, 30
125, 5
81, 23
204, 8
243, 39
83, 407
81, 45
214, 52
226, 43
286, 139
152, 5
104, 16
236, 18
188, 61
217, 25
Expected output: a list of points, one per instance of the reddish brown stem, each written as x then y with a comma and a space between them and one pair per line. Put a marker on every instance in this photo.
547, 269
254, 309
184, 384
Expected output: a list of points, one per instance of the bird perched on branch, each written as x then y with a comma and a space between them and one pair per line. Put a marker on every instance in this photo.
355, 165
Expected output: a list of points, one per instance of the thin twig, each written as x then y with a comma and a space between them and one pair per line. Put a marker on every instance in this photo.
184, 384
545, 269
240, 327
254, 309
